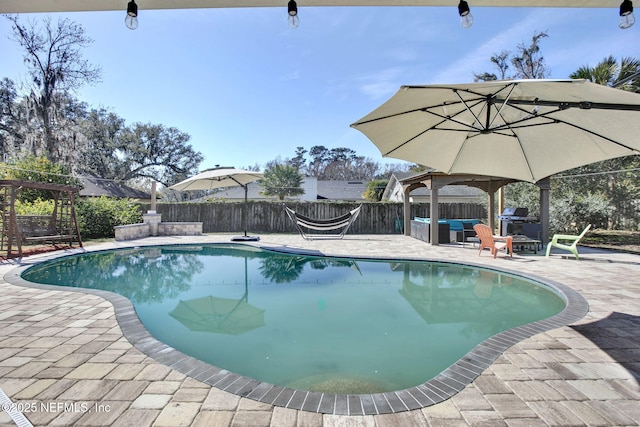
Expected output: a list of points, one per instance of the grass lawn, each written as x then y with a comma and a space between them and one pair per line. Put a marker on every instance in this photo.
628, 241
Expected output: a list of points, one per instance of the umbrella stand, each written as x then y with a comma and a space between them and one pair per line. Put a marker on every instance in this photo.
245, 238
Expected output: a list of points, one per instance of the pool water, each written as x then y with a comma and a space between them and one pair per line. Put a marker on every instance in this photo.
335, 325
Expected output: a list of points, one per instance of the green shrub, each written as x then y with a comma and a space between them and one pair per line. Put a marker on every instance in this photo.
97, 217
375, 189
37, 169
36, 207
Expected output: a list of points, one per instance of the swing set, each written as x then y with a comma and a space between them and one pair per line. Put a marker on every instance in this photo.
18, 230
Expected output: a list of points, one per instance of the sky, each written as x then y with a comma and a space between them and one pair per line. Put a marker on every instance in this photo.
249, 89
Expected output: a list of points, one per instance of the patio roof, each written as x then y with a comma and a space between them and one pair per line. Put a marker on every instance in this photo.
27, 6
434, 180
95, 186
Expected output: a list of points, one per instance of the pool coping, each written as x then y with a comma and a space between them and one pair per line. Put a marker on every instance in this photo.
442, 387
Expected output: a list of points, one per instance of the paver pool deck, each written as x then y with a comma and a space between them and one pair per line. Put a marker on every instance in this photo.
64, 359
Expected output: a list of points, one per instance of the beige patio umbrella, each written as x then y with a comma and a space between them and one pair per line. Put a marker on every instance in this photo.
521, 129
221, 177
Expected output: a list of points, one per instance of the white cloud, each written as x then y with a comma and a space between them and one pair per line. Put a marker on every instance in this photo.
381, 84
293, 75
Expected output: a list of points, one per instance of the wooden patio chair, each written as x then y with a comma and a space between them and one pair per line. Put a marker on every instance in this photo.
573, 247
491, 241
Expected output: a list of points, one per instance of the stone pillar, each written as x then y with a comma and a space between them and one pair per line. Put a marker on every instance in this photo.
153, 198
153, 219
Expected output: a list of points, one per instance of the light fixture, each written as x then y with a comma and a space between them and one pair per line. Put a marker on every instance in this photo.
466, 18
626, 15
131, 20
292, 8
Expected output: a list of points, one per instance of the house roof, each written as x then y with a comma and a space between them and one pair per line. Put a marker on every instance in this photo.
237, 192
450, 191
326, 190
95, 186
446, 191
341, 190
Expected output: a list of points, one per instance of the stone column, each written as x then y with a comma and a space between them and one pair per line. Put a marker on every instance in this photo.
153, 198
153, 219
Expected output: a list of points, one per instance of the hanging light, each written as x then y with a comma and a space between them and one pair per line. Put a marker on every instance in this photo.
131, 20
292, 8
466, 18
626, 15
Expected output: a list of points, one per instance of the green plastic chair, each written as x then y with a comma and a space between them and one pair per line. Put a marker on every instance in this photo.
573, 247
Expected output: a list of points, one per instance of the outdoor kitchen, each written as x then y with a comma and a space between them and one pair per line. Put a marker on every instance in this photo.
517, 222
525, 229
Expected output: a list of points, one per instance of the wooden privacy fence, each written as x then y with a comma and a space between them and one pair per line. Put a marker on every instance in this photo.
270, 217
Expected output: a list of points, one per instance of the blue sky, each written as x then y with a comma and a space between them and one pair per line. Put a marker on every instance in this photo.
248, 88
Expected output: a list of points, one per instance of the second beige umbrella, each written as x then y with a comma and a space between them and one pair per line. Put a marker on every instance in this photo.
221, 177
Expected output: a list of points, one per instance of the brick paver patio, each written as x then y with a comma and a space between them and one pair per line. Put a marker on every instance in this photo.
65, 361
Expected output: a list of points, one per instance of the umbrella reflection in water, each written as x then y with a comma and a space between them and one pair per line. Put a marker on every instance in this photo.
220, 315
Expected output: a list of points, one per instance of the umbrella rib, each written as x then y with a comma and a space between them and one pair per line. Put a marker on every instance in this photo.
452, 118
408, 141
470, 112
583, 105
444, 120
489, 100
530, 116
435, 126
597, 134
462, 89
504, 104
234, 180
553, 120
387, 117
510, 125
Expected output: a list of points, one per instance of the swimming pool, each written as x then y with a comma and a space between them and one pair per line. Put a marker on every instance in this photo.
327, 325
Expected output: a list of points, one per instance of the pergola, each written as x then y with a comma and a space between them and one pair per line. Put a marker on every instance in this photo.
490, 184
61, 225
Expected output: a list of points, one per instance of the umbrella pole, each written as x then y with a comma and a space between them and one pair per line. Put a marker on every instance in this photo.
244, 220
244, 211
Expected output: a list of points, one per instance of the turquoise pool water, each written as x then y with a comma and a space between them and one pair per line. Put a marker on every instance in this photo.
313, 323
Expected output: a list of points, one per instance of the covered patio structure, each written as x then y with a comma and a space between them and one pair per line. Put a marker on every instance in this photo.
435, 180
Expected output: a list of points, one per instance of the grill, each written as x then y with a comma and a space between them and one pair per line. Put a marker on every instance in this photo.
516, 221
